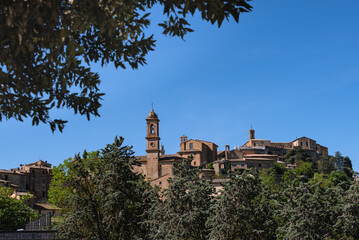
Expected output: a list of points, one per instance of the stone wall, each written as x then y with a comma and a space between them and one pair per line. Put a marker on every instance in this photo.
39, 235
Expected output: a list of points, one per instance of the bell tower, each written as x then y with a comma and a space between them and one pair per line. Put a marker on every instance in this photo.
153, 145
251, 134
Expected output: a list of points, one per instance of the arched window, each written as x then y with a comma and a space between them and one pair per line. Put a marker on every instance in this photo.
152, 128
191, 146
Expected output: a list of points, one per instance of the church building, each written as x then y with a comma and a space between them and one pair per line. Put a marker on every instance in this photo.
158, 166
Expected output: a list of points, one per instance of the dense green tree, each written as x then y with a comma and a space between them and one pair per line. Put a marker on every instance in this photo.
348, 222
326, 164
60, 191
347, 167
304, 169
338, 161
242, 210
47, 47
340, 179
183, 209
14, 213
273, 177
321, 179
309, 212
108, 199
297, 154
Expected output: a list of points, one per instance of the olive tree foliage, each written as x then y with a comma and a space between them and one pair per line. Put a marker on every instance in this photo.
14, 213
107, 199
47, 47
242, 210
183, 209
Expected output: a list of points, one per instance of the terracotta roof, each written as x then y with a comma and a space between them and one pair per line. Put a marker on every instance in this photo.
237, 160
162, 157
220, 152
45, 206
301, 138
40, 163
261, 159
260, 155
198, 140
189, 151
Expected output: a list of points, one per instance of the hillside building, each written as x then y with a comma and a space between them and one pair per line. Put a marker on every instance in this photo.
34, 178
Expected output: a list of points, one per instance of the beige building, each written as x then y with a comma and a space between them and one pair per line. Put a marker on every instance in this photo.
158, 166
305, 143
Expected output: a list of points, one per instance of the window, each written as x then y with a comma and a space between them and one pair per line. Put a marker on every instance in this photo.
160, 183
194, 163
214, 190
251, 164
152, 128
306, 143
254, 144
43, 171
242, 165
268, 165
43, 194
262, 143
260, 164
301, 143
234, 165
191, 146
6, 177
32, 170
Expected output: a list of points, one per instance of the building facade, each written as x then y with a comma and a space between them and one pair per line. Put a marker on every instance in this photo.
34, 178
158, 166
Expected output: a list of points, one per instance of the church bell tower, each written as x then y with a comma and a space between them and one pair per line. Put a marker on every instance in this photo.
153, 145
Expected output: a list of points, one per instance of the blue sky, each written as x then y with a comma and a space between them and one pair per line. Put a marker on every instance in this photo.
289, 68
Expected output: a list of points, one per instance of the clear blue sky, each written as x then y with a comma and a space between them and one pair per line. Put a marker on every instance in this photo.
289, 68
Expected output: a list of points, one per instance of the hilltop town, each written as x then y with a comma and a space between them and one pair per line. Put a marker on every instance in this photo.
112, 182
256, 153
158, 166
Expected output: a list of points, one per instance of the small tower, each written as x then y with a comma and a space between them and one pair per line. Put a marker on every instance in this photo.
251, 134
153, 145
183, 139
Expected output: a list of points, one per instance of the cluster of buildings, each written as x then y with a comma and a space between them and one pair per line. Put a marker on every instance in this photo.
158, 166
32, 180
258, 153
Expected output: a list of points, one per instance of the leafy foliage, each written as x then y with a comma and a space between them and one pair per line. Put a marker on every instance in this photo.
108, 199
183, 209
297, 154
308, 212
349, 218
326, 164
48, 46
241, 211
104, 199
14, 213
